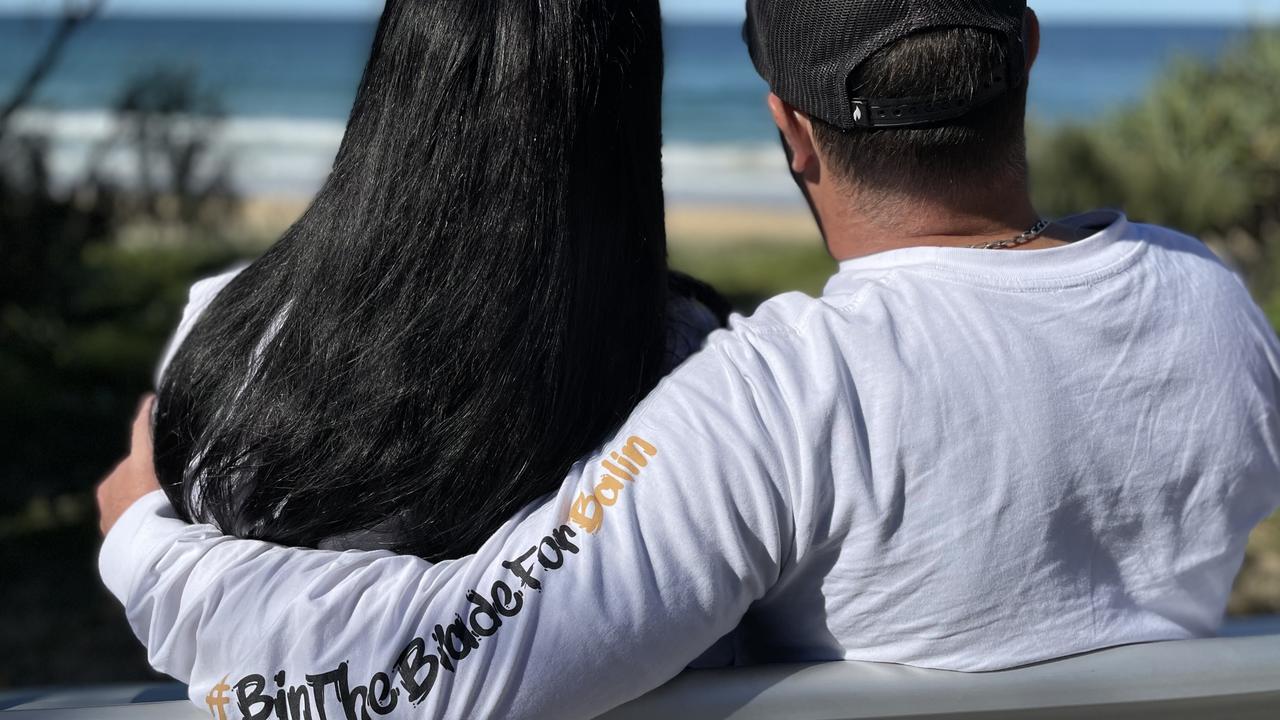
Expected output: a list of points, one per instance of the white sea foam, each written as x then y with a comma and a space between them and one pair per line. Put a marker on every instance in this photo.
731, 173
292, 157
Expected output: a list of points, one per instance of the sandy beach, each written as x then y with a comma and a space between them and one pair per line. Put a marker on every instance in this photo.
729, 224
688, 224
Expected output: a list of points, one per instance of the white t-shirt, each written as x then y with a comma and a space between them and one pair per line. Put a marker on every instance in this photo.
957, 459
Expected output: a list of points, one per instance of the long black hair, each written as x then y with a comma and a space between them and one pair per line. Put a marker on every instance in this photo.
474, 300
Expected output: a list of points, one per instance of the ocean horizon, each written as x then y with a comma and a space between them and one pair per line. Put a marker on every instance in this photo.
286, 87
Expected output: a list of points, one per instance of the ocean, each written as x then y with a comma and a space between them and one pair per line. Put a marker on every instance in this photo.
286, 87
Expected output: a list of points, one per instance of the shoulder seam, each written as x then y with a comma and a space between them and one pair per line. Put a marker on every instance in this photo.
863, 293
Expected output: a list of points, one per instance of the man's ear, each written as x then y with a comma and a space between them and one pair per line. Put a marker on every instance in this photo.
797, 132
1031, 33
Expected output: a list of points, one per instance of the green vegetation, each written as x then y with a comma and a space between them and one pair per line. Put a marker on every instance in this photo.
1200, 153
757, 269
92, 277
92, 280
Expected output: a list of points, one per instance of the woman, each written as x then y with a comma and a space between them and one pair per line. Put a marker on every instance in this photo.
476, 298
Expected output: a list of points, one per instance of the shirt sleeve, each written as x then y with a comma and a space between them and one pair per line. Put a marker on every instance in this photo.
200, 298
653, 549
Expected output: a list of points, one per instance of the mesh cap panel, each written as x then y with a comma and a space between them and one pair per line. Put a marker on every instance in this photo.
807, 49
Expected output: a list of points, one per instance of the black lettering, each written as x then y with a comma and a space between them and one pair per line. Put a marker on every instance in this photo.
505, 602
458, 640
300, 703
318, 682
382, 696
544, 560
253, 702
353, 699
518, 569
411, 662
562, 539
445, 660
282, 707
486, 609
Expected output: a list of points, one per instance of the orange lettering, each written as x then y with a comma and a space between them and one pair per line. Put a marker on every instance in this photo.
610, 467
626, 464
587, 513
609, 490
636, 450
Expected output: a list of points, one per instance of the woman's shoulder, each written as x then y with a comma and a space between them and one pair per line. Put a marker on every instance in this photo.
199, 298
689, 322
204, 291
694, 311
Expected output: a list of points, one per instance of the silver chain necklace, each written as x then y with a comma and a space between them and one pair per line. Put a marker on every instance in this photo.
1034, 233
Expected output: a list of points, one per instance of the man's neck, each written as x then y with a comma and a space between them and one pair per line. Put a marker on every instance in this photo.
855, 229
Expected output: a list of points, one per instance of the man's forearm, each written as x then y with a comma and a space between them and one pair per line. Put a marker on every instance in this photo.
651, 551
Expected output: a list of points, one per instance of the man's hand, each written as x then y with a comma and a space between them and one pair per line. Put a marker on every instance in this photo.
133, 478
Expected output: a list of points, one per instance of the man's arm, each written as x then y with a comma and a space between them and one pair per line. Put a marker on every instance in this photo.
651, 551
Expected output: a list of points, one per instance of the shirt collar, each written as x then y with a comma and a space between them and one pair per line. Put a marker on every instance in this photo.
1113, 242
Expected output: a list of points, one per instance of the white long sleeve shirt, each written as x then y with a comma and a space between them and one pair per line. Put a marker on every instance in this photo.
957, 459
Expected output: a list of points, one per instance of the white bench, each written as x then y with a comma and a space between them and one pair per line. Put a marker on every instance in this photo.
1223, 678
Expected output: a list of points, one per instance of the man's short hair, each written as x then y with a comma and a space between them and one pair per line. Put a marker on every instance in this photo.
987, 144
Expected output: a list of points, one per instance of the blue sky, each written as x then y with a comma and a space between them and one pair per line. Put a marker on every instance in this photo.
1181, 10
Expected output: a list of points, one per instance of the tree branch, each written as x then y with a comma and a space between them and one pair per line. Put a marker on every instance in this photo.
73, 17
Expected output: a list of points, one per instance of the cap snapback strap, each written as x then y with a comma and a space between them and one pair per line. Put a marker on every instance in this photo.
879, 113
872, 113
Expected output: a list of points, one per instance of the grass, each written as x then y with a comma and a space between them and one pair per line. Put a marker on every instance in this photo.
756, 269
1257, 588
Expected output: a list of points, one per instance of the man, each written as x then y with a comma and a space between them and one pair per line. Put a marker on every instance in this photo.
993, 441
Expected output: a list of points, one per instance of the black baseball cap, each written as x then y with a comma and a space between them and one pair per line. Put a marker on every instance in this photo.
807, 50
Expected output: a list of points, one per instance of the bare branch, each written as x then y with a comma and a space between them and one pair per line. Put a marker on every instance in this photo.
74, 16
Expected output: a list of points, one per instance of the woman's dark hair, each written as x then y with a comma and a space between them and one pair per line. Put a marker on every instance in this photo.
474, 300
